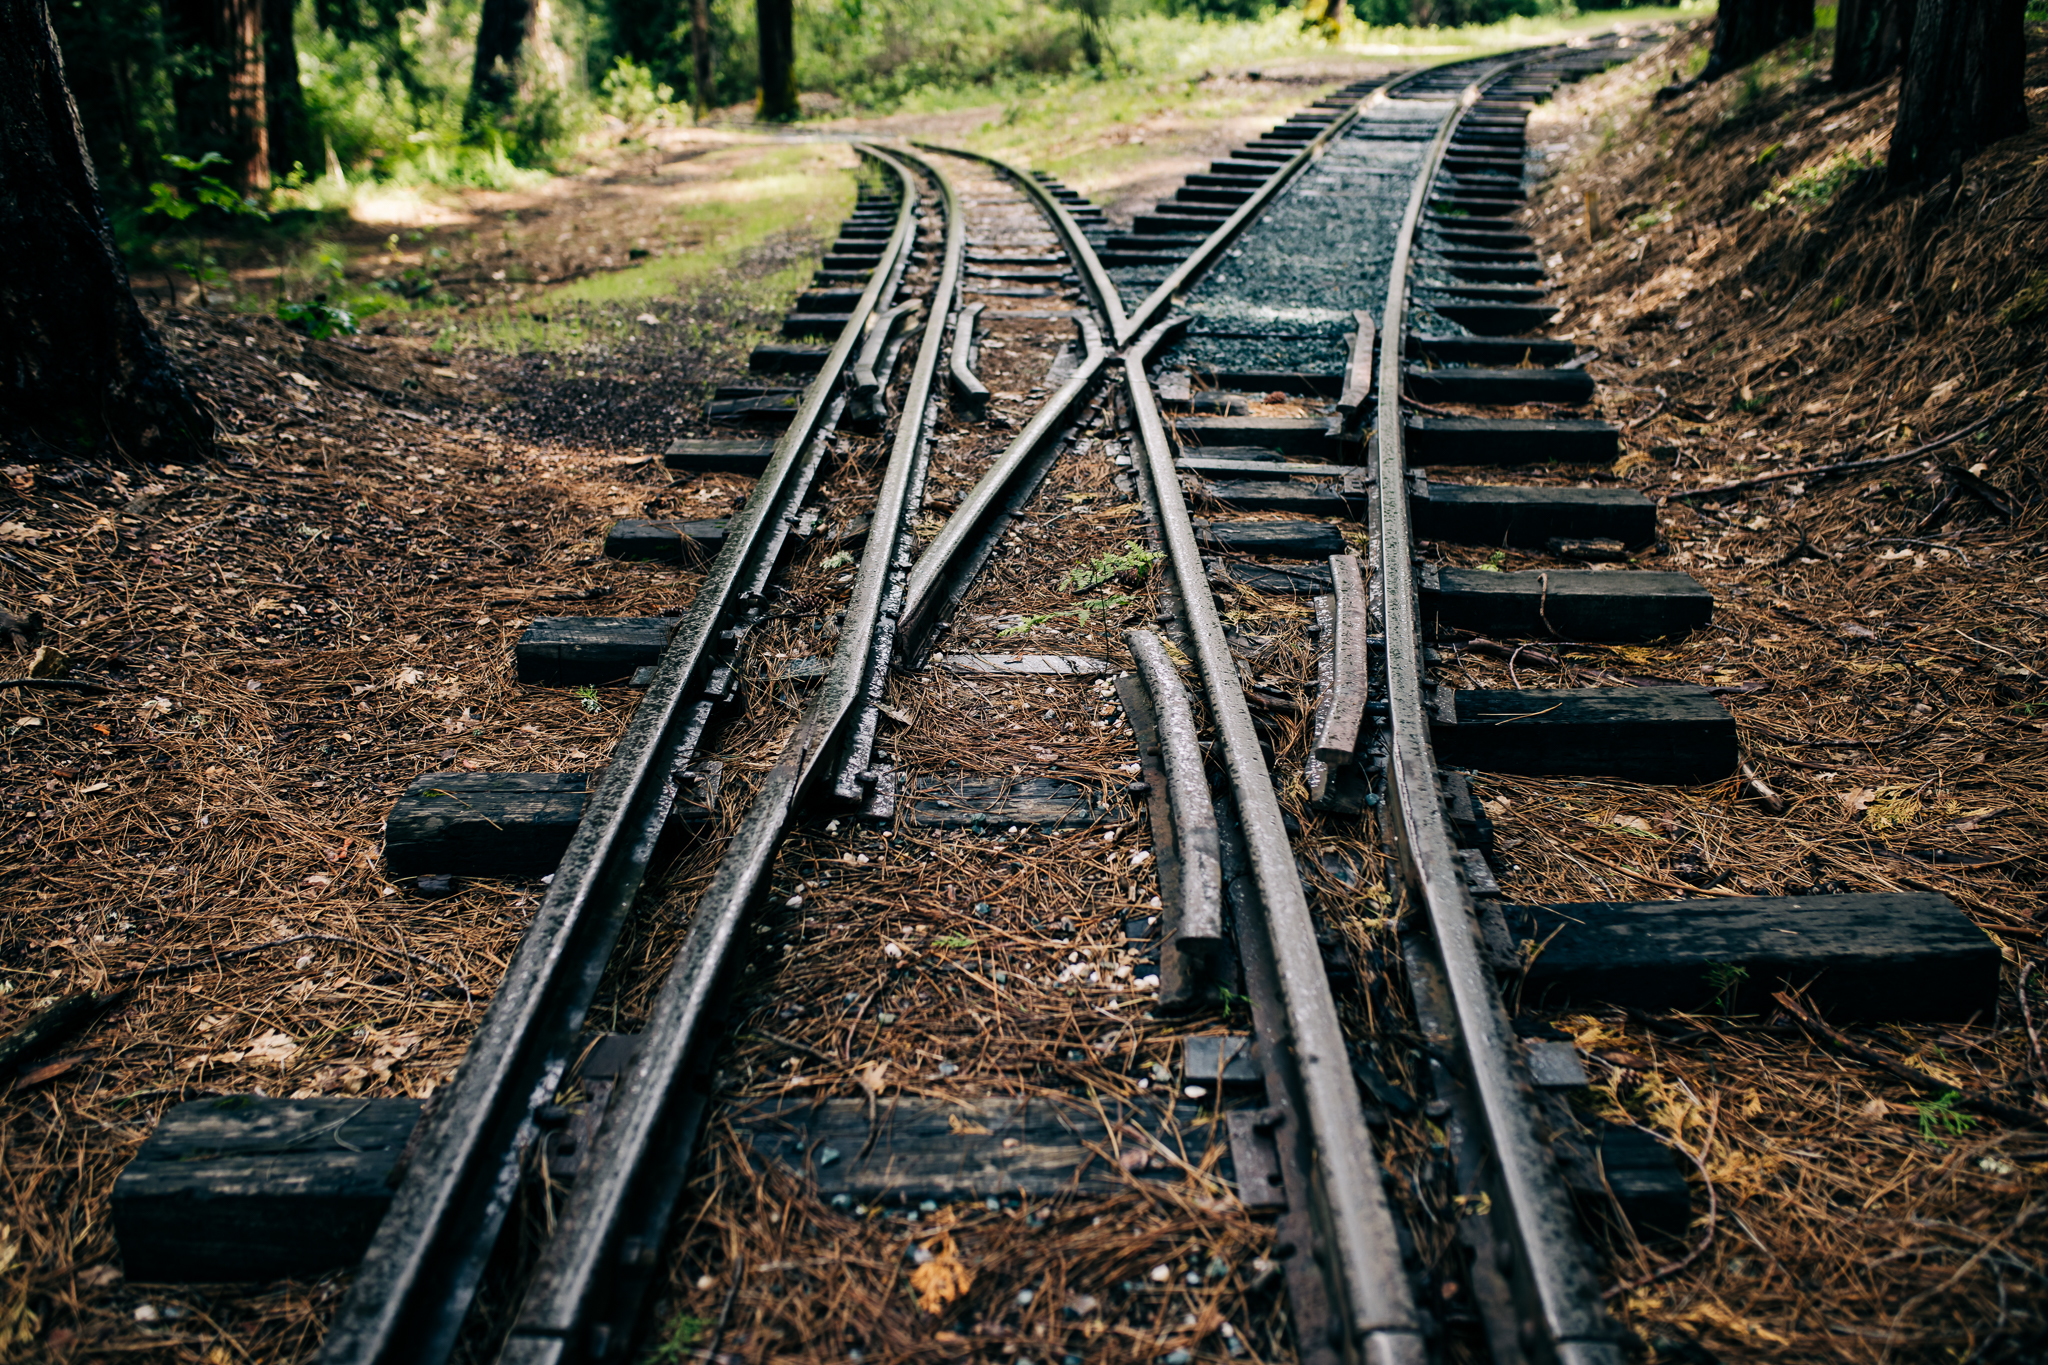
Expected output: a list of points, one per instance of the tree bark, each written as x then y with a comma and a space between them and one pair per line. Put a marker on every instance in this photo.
1745, 30
1964, 85
775, 21
500, 36
1870, 36
77, 362
219, 86
700, 56
284, 100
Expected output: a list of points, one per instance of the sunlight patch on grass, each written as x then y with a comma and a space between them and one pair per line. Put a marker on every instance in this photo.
728, 212
732, 209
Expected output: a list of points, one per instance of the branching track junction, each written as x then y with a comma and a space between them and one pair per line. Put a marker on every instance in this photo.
844, 798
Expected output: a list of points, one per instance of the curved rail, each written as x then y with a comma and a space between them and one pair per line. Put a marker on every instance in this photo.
586, 1295
1551, 1270
421, 1273
1107, 300
1367, 1277
964, 542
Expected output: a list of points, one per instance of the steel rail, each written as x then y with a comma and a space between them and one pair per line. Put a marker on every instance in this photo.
880, 582
420, 1274
1562, 1317
587, 1292
963, 543
1108, 301
935, 582
1366, 1271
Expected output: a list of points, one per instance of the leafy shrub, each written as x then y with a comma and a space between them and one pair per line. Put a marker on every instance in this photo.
201, 191
630, 93
317, 318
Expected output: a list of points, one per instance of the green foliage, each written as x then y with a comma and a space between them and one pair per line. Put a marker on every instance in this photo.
630, 93
1815, 186
1082, 614
1940, 1120
684, 1331
2030, 303
881, 54
317, 318
386, 82
1132, 556
1724, 979
587, 697
202, 191
386, 98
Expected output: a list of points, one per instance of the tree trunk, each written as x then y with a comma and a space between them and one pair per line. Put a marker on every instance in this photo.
219, 85
499, 38
1964, 85
1745, 30
77, 361
700, 55
775, 20
283, 98
1870, 36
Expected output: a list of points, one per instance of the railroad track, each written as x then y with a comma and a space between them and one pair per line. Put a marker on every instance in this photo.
1028, 409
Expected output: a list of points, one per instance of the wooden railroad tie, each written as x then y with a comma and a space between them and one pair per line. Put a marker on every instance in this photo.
246, 1188
1860, 958
1676, 734
1572, 604
509, 824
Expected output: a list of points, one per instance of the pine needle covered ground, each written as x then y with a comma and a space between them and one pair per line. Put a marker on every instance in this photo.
1761, 306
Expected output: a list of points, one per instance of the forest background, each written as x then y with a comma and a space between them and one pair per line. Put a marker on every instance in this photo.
388, 90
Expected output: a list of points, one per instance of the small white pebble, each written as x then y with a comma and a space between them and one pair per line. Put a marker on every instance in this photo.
1161, 1274
892, 950
706, 1282
795, 902
1194, 1092
145, 1312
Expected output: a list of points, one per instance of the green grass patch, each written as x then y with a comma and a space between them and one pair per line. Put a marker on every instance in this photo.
1815, 185
684, 1331
2030, 303
730, 220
